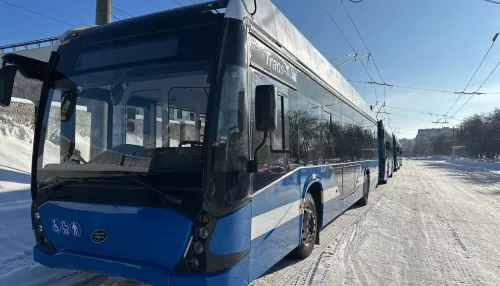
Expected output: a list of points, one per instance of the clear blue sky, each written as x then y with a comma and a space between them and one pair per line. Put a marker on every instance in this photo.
433, 44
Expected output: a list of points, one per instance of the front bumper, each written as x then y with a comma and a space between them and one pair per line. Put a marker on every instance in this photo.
143, 271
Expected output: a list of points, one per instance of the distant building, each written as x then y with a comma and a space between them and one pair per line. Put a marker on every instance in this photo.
428, 135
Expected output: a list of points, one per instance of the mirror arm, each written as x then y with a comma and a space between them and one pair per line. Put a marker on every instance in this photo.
252, 164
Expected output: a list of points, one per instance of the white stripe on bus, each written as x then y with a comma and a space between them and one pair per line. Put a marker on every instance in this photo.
274, 218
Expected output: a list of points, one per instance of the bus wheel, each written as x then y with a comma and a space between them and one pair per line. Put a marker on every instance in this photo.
309, 229
366, 190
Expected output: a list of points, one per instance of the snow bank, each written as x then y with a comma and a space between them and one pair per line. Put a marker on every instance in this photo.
492, 164
16, 237
432, 158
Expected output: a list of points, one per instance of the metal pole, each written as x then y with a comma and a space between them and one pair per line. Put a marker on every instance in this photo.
102, 12
353, 59
339, 58
99, 121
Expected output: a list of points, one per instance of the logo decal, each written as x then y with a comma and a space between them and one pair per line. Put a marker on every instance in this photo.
99, 236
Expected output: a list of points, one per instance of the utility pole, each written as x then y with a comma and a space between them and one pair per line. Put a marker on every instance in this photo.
100, 138
102, 12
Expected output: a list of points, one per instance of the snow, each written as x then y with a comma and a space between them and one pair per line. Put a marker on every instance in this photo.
491, 164
78, 107
21, 100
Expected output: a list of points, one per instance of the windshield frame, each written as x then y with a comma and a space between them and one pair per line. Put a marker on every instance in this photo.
53, 75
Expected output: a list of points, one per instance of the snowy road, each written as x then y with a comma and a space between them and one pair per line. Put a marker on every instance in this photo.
434, 223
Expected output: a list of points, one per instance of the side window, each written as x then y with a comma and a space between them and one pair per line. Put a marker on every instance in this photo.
333, 127
292, 115
375, 142
279, 138
347, 133
307, 118
270, 165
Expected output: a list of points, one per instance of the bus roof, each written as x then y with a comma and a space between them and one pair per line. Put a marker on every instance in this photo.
276, 25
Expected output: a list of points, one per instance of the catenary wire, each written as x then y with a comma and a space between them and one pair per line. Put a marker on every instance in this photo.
38, 13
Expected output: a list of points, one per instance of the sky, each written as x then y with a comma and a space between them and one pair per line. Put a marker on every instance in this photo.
421, 43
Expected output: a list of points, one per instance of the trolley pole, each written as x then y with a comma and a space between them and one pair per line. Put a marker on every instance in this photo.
102, 12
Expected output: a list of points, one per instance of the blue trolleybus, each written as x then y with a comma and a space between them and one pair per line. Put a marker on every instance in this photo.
192, 147
386, 153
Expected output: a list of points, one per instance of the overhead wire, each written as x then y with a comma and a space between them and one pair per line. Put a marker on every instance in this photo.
416, 111
401, 86
362, 40
38, 13
473, 75
343, 35
393, 114
476, 92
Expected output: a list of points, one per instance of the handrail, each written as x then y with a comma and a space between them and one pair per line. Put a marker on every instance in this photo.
25, 45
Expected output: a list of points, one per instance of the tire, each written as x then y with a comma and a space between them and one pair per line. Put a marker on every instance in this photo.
366, 191
309, 229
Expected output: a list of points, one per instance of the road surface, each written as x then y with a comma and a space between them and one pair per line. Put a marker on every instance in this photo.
434, 223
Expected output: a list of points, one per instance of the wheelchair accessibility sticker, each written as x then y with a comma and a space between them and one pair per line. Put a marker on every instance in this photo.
66, 228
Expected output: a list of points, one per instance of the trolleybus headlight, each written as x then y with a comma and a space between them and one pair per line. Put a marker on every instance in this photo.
202, 232
40, 228
198, 247
36, 216
194, 263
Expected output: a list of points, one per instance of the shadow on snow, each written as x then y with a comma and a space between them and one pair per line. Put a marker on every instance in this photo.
472, 174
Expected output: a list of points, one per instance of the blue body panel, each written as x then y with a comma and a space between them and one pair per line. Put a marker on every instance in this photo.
152, 239
271, 247
287, 189
232, 232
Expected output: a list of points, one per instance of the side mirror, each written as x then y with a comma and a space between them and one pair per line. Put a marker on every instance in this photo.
265, 117
265, 108
7, 75
68, 105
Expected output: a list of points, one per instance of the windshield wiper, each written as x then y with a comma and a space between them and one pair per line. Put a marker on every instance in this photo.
58, 182
162, 195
